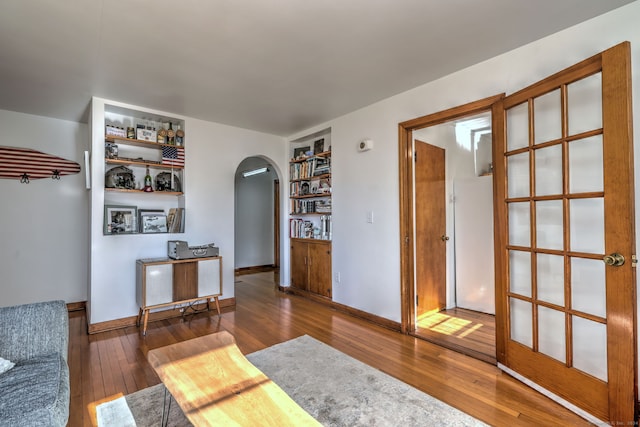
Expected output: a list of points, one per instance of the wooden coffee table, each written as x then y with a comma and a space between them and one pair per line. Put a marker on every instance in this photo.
214, 383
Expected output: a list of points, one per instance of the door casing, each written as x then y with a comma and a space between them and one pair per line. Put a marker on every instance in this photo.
406, 166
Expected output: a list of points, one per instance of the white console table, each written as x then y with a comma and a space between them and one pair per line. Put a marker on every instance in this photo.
163, 282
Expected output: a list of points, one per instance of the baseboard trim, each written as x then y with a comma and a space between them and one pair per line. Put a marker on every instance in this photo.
126, 322
380, 321
255, 269
76, 306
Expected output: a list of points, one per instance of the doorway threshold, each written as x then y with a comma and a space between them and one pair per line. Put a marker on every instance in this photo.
468, 332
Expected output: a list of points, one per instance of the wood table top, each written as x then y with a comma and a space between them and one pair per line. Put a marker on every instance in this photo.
214, 383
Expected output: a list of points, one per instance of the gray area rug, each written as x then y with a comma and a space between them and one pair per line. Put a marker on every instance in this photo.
334, 388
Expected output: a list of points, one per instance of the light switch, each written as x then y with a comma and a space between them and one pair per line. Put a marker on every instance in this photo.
370, 217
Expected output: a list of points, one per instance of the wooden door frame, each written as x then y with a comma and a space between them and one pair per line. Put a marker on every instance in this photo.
406, 166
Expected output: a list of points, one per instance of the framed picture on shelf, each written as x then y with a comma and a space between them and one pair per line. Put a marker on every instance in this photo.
153, 222
120, 219
299, 153
318, 146
144, 212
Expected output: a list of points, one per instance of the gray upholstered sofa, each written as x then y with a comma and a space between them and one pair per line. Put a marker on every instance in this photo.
35, 392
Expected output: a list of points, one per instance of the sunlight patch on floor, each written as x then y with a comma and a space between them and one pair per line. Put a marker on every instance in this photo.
448, 325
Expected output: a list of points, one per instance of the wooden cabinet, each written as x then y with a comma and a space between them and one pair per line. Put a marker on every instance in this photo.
311, 266
163, 282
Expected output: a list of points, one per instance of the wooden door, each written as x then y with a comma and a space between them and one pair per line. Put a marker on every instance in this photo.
299, 264
430, 199
320, 268
564, 201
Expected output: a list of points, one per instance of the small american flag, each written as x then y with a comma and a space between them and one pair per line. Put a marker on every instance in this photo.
173, 156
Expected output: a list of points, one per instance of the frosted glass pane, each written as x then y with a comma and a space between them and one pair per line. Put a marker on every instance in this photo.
551, 333
588, 286
518, 175
585, 165
520, 273
518, 127
587, 225
549, 228
519, 224
547, 117
551, 278
521, 322
590, 347
549, 170
584, 99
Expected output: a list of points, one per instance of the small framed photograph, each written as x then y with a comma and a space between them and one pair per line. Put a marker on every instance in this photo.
120, 219
153, 222
318, 146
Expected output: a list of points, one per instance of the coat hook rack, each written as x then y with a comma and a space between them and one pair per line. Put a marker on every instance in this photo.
26, 165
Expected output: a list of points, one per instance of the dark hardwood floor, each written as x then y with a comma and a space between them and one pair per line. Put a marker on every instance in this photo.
112, 363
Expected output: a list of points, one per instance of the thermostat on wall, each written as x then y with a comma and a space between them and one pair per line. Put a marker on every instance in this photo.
365, 145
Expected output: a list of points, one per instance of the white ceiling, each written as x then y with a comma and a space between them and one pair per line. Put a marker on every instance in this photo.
277, 66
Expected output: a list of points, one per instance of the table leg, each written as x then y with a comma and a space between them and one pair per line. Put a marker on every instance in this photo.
166, 408
139, 317
146, 319
217, 305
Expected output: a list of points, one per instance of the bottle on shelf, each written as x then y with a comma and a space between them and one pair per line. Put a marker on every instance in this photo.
162, 134
179, 136
148, 182
171, 135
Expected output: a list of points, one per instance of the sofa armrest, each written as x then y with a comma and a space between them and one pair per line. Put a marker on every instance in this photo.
31, 330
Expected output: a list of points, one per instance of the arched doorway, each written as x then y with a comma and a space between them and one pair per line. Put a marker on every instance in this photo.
257, 217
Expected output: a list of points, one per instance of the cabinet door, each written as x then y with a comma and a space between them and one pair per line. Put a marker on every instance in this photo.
299, 265
320, 268
158, 284
209, 282
185, 280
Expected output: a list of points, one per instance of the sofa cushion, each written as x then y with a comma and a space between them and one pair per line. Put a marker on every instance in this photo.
36, 390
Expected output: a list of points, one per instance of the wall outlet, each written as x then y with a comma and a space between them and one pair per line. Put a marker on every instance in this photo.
370, 217
336, 277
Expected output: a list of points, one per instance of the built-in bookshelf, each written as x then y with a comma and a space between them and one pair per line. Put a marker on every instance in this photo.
310, 204
310, 187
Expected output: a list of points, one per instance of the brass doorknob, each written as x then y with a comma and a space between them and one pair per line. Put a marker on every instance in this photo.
444, 238
615, 260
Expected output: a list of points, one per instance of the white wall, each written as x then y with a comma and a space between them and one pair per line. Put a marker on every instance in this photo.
254, 238
367, 255
45, 232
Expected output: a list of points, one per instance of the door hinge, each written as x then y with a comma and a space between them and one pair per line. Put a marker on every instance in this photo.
634, 261
415, 156
416, 300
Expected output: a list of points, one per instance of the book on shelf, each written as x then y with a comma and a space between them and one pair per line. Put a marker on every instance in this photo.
299, 188
310, 206
311, 167
175, 220
306, 229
